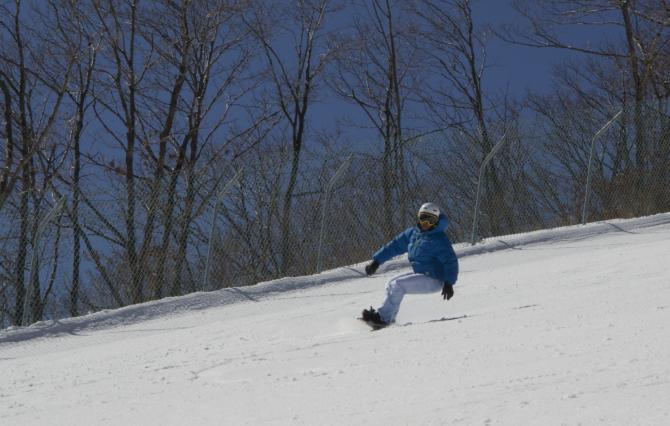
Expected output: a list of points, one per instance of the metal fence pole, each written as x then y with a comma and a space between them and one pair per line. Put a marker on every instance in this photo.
336, 176
44, 222
488, 158
589, 172
217, 202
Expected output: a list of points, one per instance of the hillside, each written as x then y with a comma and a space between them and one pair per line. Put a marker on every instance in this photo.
563, 326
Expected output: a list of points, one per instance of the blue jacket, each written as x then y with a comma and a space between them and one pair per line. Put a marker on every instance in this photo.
429, 252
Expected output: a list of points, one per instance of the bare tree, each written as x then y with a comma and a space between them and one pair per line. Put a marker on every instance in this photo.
634, 41
74, 28
456, 48
218, 82
35, 71
376, 71
116, 101
169, 24
293, 80
173, 76
149, 48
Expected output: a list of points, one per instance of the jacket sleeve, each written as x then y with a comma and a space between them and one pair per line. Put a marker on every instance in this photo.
449, 262
395, 247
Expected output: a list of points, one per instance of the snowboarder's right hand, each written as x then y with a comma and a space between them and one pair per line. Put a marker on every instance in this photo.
371, 267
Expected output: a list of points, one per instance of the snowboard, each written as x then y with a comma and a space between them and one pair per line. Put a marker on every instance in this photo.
376, 327
372, 325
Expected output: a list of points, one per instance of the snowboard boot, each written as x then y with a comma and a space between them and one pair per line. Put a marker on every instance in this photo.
372, 318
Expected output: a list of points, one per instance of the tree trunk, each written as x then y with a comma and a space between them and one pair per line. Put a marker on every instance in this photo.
21, 250
639, 124
185, 223
26, 150
287, 239
157, 287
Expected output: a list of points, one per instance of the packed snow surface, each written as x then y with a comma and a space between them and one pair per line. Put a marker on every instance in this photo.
564, 326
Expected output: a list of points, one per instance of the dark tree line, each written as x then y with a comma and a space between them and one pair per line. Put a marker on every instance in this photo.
125, 121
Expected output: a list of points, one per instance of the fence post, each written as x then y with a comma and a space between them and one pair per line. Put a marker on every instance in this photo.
589, 172
27, 302
336, 176
488, 158
217, 202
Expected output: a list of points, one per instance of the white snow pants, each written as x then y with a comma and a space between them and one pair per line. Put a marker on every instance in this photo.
410, 283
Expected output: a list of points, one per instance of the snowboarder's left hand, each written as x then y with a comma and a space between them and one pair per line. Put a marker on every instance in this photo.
447, 291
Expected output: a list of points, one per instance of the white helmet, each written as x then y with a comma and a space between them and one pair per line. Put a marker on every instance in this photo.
428, 216
430, 208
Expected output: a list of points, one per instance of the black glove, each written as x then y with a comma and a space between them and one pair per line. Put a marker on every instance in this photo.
371, 267
447, 291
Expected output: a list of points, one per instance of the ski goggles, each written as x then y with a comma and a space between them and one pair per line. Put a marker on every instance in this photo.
427, 220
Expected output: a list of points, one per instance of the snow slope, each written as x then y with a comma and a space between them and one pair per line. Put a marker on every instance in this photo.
565, 326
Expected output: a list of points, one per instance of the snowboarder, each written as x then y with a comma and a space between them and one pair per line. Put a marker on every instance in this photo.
434, 264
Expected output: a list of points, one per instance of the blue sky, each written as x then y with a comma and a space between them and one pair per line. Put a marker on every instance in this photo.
511, 68
522, 68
